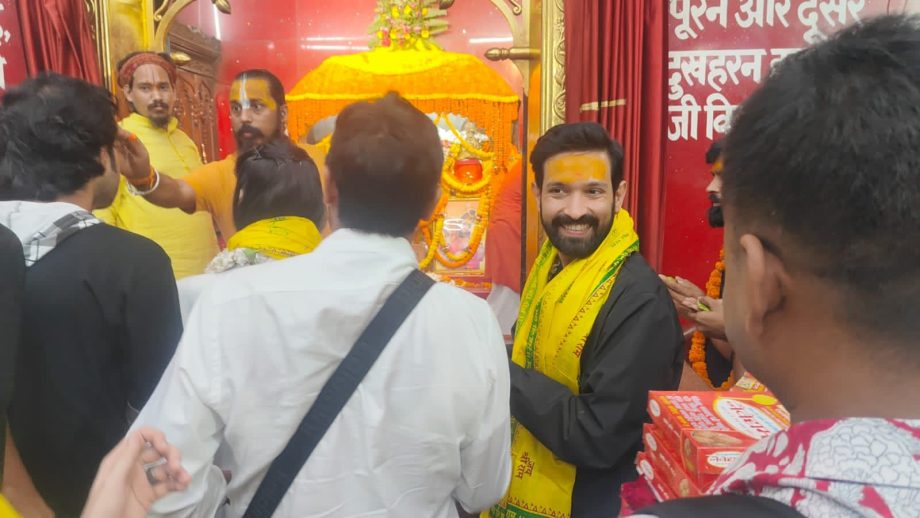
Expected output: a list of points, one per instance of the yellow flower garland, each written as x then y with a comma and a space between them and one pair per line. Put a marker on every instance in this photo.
450, 183
432, 230
697, 353
433, 233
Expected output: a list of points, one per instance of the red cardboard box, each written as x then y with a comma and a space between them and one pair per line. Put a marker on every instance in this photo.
712, 429
708, 453
654, 479
669, 465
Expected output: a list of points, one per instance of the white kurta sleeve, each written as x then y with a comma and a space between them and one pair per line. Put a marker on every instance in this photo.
185, 406
486, 459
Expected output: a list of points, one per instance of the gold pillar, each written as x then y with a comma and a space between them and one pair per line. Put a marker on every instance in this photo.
552, 108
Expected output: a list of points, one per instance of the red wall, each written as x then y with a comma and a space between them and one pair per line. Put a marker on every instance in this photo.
12, 59
747, 44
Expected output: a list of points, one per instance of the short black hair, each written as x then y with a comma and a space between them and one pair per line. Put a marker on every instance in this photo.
574, 137
52, 129
714, 152
386, 162
275, 88
827, 154
122, 61
277, 179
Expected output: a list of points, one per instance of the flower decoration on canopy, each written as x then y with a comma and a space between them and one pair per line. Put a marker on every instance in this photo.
407, 23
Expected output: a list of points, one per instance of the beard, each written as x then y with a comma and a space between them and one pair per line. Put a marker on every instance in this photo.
576, 247
248, 137
715, 216
160, 120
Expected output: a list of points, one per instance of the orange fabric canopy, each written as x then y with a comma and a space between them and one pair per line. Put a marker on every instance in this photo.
433, 80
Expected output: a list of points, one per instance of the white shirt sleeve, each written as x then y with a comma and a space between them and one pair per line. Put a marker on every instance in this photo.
185, 406
485, 460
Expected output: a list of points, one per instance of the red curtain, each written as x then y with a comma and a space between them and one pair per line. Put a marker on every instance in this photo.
57, 37
615, 75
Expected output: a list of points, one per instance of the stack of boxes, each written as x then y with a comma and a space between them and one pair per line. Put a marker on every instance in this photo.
695, 436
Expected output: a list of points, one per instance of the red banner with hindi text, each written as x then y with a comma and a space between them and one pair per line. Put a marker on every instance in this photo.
719, 52
12, 57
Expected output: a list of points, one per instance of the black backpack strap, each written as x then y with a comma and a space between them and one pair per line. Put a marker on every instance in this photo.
336, 393
748, 506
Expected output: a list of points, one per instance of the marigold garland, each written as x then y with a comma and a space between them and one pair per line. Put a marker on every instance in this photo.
433, 233
450, 183
697, 354
450, 260
432, 229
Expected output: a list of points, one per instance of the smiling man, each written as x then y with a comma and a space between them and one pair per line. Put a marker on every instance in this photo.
597, 331
148, 81
258, 113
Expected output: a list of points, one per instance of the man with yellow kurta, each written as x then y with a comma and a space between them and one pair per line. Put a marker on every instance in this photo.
148, 82
258, 114
596, 331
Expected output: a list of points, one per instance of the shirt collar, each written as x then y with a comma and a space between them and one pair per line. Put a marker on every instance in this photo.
349, 240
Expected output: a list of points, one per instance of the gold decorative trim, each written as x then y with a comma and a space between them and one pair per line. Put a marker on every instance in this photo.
164, 16
512, 53
552, 80
99, 16
513, 15
597, 105
518, 16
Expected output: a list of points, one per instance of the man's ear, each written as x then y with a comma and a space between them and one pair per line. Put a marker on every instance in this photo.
283, 113
619, 196
766, 283
536, 190
330, 190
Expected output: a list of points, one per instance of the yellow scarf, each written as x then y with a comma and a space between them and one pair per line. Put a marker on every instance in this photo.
278, 238
6, 510
552, 328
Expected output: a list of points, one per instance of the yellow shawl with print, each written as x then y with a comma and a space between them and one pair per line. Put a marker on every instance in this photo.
553, 325
278, 238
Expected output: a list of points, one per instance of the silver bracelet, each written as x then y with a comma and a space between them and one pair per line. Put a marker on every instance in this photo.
135, 191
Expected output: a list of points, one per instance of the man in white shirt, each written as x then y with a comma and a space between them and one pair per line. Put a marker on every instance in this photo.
428, 425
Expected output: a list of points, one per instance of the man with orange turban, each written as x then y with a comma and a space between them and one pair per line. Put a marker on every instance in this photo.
148, 81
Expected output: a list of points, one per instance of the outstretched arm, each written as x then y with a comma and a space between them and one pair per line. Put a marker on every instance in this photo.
133, 162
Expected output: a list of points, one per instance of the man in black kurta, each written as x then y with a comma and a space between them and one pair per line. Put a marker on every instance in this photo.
100, 313
12, 275
587, 406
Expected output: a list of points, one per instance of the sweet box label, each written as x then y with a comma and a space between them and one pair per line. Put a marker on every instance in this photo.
748, 419
755, 415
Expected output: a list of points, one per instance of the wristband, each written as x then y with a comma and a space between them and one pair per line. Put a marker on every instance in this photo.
155, 180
